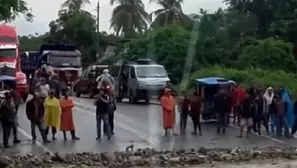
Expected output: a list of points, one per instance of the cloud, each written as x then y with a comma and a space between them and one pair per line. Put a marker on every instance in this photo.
46, 11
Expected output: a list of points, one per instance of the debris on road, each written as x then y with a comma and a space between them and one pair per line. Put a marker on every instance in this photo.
153, 158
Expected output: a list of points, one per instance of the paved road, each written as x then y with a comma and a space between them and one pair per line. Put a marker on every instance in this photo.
138, 124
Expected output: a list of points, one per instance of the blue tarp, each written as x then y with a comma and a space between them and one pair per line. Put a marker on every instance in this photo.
6, 78
290, 112
214, 81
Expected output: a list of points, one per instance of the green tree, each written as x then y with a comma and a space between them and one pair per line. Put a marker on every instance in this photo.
75, 5
76, 26
168, 46
10, 9
170, 13
269, 54
129, 17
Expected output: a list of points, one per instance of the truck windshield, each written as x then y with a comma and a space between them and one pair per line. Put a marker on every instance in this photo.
8, 52
151, 71
64, 60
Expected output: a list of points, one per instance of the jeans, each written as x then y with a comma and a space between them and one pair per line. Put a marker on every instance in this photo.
294, 128
99, 119
221, 122
281, 122
259, 120
6, 129
40, 127
183, 121
196, 121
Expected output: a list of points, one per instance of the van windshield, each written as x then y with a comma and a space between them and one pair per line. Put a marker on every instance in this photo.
151, 71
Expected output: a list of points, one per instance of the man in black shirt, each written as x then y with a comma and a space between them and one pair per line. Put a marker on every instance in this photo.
7, 117
259, 113
102, 109
222, 107
246, 113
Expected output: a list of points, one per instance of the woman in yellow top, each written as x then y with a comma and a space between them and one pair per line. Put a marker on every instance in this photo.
52, 113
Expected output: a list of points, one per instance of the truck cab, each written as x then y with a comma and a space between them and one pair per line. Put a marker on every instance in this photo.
140, 80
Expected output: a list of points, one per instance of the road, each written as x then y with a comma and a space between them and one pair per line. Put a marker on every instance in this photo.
137, 124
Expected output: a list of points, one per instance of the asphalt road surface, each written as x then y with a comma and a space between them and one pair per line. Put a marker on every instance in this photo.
138, 124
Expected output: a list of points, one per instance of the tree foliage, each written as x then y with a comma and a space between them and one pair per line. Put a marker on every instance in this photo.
251, 34
10, 9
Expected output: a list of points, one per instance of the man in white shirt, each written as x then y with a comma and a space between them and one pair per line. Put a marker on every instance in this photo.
105, 78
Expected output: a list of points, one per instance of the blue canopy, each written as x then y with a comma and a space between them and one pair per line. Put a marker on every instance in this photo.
214, 81
6, 78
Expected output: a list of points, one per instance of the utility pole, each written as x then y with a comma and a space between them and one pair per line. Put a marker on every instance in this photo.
98, 16
98, 30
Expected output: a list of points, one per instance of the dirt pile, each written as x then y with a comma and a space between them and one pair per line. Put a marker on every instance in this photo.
150, 158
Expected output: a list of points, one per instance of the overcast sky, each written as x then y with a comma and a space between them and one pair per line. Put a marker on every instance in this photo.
46, 11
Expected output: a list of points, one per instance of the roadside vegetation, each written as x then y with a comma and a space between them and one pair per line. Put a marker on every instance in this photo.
248, 40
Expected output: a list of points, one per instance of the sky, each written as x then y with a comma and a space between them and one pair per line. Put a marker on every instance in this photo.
46, 11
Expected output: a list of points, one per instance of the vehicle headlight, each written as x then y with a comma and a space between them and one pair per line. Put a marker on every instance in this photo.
22, 81
141, 85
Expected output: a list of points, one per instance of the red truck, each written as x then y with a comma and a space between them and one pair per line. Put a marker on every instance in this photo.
10, 68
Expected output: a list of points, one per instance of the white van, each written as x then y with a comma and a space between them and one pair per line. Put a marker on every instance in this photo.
140, 80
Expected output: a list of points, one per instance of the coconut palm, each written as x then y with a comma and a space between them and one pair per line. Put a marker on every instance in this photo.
170, 13
75, 5
129, 17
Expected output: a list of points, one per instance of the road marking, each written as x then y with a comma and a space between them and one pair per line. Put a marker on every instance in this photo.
137, 132
38, 143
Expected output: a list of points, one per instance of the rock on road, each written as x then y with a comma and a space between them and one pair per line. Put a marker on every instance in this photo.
137, 124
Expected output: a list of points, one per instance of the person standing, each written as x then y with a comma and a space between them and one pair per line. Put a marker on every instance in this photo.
294, 128
52, 114
7, 116
184, 112
195, 112
168, 107
102, 109
112, 109
238, 95
260, 112
246, 113
35, 114
67, 122
222, 106
279, 110
17, 101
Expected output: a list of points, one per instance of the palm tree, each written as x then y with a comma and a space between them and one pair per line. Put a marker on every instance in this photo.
75, 5
170, 13
129, 17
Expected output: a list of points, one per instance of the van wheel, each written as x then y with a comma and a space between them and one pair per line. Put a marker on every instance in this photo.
147, 100
131, 97
119, 99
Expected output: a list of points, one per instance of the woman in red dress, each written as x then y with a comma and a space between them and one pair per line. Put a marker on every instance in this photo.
67, 123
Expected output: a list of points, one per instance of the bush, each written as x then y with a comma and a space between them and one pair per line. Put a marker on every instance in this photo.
244, 77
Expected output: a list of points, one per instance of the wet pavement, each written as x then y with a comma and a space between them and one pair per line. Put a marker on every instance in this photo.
136, 124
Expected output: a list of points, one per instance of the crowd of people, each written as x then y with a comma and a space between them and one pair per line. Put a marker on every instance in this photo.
254, 109
50, 110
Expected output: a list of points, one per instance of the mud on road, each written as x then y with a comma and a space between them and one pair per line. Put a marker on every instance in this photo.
222, 158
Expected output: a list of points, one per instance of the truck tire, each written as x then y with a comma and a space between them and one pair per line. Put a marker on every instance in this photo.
77, 93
